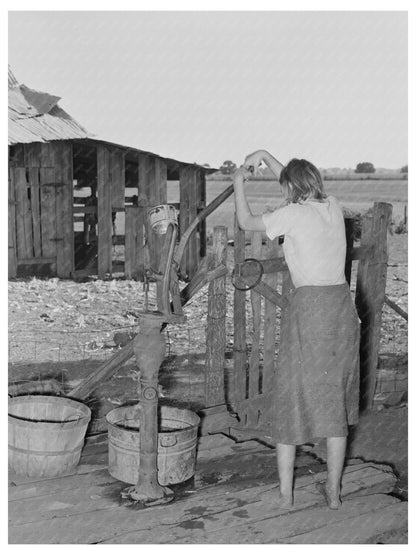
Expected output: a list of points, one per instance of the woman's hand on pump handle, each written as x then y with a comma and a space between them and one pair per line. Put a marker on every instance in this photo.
254, 160
243, 173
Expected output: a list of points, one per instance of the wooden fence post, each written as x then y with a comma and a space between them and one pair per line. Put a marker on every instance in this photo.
255, 297
371, 287
349, 235
201, 200
271, 279
239, 387
193, 250
216, 336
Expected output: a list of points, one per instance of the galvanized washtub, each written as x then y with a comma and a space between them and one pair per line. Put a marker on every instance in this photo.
177, 441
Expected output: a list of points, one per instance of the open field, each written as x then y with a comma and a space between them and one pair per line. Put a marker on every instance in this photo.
358, 196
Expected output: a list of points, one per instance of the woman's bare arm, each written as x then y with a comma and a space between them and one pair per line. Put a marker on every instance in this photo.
256, 158
274, 165
246, 220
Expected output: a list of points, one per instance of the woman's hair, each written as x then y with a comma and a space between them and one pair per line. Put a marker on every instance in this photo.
303, 181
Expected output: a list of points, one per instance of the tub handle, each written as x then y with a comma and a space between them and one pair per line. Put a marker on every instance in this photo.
73, 417
168, 441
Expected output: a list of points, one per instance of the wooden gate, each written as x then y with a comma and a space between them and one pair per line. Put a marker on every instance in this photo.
256, 342
36, 222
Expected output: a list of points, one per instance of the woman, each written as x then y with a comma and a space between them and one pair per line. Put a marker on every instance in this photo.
318, 364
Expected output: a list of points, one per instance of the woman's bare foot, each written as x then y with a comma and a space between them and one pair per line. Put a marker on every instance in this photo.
277, 499
284, 501
332, 497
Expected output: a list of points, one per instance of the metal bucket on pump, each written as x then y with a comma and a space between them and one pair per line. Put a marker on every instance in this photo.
161, 216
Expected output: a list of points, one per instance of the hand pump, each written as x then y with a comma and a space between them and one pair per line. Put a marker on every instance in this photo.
149, 350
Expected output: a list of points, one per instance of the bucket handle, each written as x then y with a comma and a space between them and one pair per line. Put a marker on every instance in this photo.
168, 440
73, 417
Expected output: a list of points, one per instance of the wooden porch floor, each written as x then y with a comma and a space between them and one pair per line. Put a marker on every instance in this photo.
228, 502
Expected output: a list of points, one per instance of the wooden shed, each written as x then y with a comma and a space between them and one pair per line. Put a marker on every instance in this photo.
78, 205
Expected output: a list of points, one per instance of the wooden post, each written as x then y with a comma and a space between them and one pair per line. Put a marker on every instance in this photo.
161, 179
270, 323
104, 211
133, 266
370, 293
118, 183
254, 364
349, 235
62, 156
184, 213
202, 197
158, 196
147, 192
154, 242
287, 286
193, 240
216, 336
240, 350
12, 268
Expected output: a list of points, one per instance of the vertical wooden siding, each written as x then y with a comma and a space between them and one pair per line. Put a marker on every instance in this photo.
105, 231
62, 154
118, 183
48, 211
44, 201
24, 237
12, 258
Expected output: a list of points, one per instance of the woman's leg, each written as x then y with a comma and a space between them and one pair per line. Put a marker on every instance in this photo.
285, 465
335, 447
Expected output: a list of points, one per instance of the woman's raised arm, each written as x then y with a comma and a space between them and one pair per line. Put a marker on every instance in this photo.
246, 219
256, 158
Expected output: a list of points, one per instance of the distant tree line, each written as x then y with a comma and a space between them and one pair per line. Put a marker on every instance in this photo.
365, 167
228, 168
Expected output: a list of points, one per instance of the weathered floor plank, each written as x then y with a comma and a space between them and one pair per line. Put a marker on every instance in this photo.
87, 509
360, 526
314, 524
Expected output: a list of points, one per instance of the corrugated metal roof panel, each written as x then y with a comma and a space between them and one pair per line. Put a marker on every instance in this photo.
35, 116
12, 79
44, 128
29, 123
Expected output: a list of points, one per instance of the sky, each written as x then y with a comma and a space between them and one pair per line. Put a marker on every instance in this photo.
210, 86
